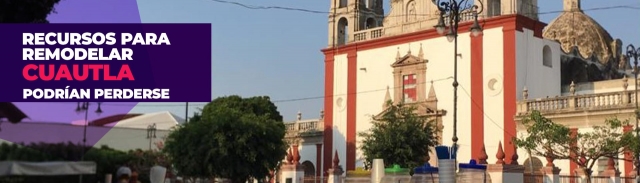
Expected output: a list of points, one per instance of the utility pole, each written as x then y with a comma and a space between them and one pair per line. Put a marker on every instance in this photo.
151, 134
451, 11
83, 107
634, 54
186, 112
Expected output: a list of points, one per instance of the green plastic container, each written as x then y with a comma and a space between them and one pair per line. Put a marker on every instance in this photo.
396, 174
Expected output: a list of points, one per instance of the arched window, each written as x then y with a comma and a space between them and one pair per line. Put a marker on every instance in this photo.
547, 58
309, 172
370, 23
603, 163
495, 8
343, 28
343, 3
532, 164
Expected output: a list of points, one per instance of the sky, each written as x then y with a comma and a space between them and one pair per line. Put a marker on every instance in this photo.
274, 52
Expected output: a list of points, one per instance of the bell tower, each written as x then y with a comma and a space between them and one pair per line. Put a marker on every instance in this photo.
494, 8
349, 16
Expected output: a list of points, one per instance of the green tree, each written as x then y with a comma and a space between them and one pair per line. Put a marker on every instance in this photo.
235, 138
259, 105
197, 116
399, 136
26, 11
546, 138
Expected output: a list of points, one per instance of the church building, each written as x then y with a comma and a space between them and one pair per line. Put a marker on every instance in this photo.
402, 56
373, 57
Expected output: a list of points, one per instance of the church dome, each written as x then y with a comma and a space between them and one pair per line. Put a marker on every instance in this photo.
576, 29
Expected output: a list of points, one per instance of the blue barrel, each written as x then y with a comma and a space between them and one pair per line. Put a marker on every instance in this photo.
425, 174
472, 172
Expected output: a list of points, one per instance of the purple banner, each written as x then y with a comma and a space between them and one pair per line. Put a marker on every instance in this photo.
105, 62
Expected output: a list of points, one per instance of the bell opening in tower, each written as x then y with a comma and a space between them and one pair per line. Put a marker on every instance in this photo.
343, 3
343, 34
370, 23
494, 8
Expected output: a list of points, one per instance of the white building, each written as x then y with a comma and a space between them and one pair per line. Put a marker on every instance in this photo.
399, 56
130, 132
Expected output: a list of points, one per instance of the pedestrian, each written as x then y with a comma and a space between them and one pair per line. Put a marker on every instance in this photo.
123, 175
134, 177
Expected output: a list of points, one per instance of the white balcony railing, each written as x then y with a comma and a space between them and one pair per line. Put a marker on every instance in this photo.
609, 100
368, 34
301, 127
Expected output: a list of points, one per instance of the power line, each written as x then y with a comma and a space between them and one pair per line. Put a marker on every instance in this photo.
254, 7
274, 101
600, 8
474, 102
483, 113
269, 7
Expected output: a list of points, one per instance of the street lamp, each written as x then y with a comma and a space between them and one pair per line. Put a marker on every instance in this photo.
634, 53
84, 107
151, 133
452, 10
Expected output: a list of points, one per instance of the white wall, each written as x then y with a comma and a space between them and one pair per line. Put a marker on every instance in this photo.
378, 76
540, 80
373, 82
123, 139
340, 106
129, 139
493, 59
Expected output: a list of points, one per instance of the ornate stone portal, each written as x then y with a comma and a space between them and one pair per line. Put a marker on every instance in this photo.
410, 89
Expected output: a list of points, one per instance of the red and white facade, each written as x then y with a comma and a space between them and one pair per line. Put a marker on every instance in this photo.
492, 71
503, 73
